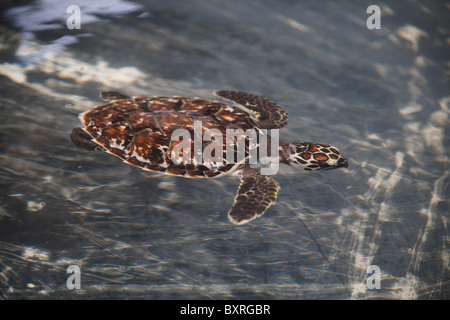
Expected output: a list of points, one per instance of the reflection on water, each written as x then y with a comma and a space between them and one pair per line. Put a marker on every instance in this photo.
48, 15
380, 95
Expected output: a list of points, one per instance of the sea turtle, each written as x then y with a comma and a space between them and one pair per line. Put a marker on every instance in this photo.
140, 131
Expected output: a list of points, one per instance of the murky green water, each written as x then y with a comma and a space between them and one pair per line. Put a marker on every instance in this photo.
382, 96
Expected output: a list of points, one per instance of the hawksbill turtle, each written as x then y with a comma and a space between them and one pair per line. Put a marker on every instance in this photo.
139, 130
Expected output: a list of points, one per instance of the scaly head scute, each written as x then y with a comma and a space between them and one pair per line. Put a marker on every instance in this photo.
313, 156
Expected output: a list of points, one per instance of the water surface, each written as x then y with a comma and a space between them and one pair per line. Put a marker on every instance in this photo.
381, 96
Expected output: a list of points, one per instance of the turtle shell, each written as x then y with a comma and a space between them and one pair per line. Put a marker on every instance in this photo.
139, 131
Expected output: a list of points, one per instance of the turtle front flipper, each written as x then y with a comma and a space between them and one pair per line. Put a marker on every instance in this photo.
269, 114
255, 195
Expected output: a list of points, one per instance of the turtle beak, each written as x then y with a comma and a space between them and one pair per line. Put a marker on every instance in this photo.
342, 163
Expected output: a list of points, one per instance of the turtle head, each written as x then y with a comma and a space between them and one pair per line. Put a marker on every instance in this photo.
313, 156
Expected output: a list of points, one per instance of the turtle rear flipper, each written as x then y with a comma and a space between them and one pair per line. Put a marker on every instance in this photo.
255, 195
270, 115
83, 140
112, 95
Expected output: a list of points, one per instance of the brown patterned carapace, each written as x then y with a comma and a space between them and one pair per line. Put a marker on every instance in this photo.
139, 130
